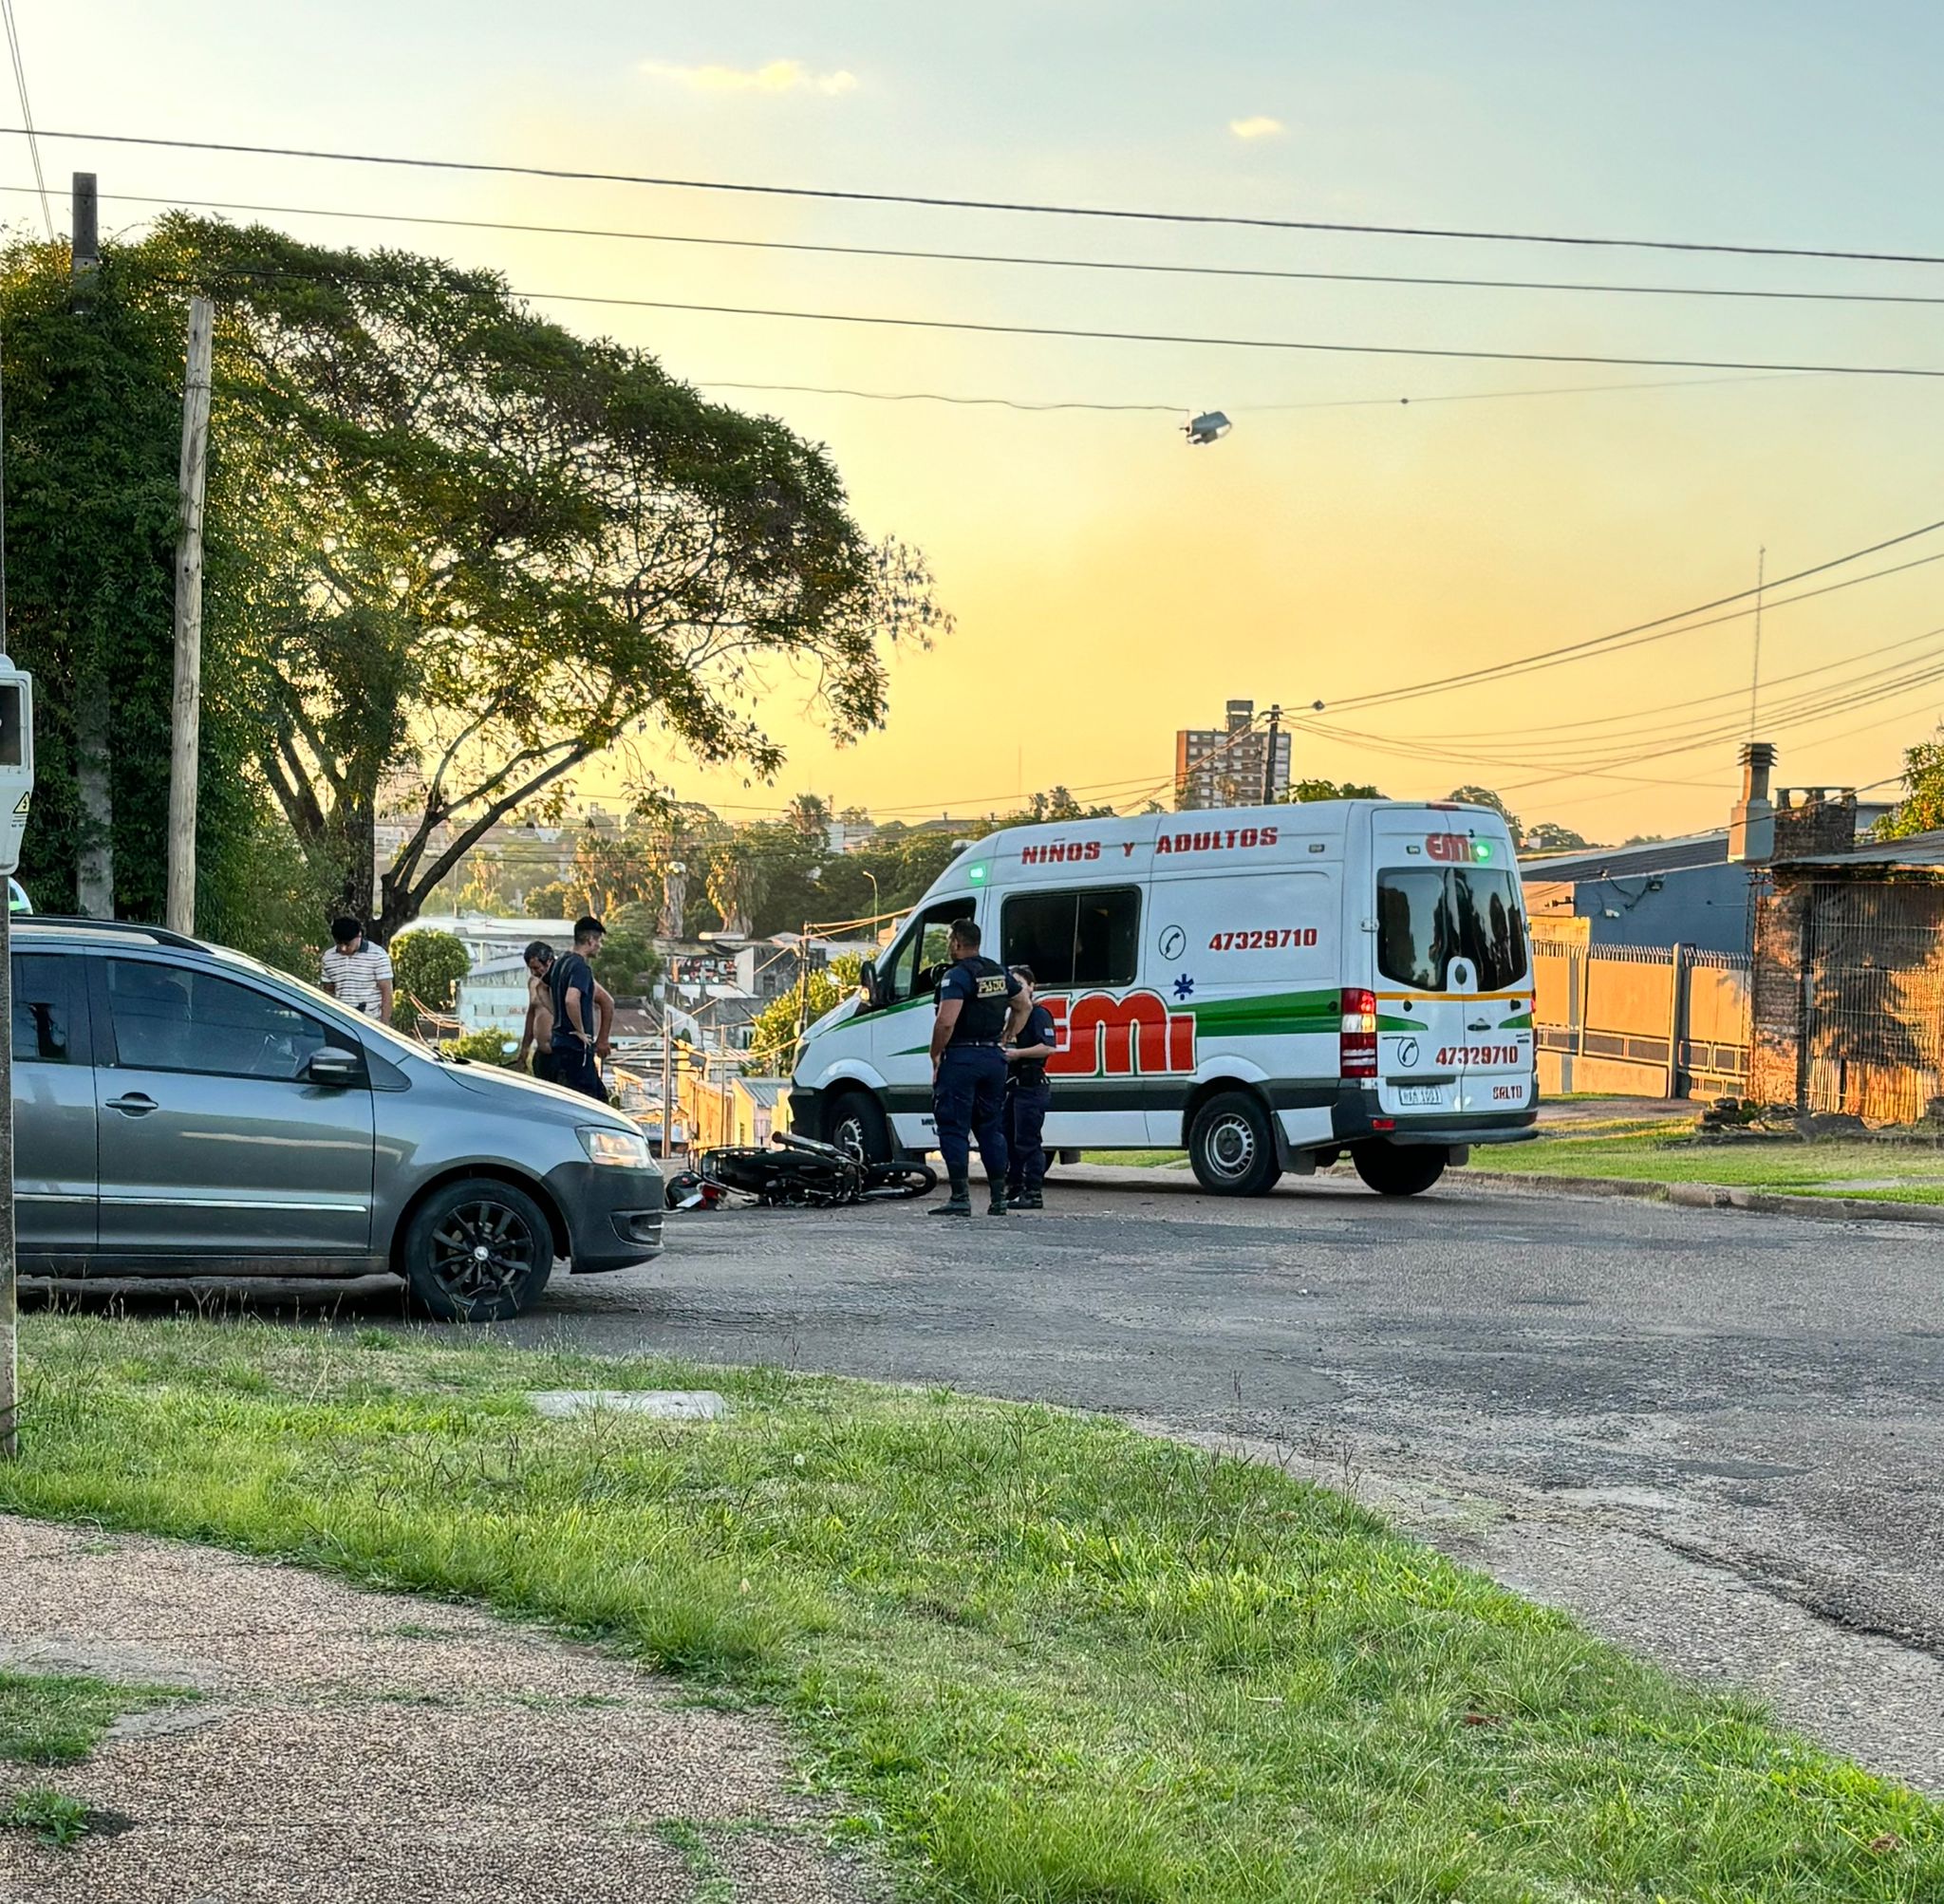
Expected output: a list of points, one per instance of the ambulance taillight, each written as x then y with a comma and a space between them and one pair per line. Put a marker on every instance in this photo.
1356, 1045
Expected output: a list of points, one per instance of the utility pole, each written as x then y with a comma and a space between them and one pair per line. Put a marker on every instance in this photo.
93, 782
185, 740
86, 243
667, 1084
1269, 758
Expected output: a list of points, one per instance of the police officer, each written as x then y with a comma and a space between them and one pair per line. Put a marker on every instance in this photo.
1028, 1093
981, 1007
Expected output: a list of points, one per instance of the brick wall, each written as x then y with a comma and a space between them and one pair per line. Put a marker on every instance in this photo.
1776, 1003
1806, 823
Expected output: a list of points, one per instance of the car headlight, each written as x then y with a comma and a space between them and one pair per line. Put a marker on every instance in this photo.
605, 1145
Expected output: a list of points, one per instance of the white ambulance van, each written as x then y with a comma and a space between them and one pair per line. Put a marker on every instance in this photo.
1267, 987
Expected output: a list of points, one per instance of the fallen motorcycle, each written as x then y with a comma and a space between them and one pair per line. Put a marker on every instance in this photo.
799, 1173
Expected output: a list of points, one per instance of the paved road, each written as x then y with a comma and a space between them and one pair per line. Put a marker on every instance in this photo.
1718, 1436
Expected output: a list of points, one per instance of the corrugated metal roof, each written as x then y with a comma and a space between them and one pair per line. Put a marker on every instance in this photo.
1629, 862
763, 1092
1920, 849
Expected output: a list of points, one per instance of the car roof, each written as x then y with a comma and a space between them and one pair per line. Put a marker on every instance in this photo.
59, 927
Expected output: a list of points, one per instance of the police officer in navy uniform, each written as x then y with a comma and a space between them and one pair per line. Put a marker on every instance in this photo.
980, 1008
1028, 1093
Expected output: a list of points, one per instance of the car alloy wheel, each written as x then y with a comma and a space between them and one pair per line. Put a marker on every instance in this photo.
484, 1252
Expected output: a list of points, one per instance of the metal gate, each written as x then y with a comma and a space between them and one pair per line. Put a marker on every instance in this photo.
1872, 983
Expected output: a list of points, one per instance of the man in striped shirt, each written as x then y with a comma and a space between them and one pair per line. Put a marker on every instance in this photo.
356, 972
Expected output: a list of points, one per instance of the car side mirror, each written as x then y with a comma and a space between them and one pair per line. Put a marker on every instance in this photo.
867, 983
330, 1065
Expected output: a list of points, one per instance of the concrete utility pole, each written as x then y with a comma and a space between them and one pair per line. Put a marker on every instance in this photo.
185, 741
1269, 758
94, 874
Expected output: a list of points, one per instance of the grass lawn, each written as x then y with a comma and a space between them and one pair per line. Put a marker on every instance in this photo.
1038, 1658
1645, 1150
58, 1719
1140, 1159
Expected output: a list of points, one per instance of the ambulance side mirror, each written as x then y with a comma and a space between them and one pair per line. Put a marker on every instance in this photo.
17, 759
867, 983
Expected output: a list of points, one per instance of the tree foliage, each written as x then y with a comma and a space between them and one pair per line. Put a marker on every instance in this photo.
1548, 836
426, 970
1921, 810
1484, 796
773, 1032
1302, 792
485, 550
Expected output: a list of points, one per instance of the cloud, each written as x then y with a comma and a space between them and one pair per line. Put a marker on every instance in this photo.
778, 75
1260, 126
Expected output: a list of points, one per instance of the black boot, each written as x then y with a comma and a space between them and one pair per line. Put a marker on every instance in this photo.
997, 1207
958, 1204
1027, 1200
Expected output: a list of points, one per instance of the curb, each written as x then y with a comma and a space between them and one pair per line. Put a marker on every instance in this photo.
1711, 1197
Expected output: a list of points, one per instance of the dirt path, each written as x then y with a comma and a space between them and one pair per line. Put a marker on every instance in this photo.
352, 1747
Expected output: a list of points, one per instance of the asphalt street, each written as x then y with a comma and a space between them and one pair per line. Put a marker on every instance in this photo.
1718, 1436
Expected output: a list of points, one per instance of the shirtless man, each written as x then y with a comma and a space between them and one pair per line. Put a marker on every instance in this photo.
536, 1041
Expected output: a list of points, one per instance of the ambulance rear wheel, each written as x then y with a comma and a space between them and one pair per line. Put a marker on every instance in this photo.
1399, 1170
1232, 1147
855, 1124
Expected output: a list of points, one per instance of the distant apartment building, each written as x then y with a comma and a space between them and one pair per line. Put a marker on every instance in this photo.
1230, 765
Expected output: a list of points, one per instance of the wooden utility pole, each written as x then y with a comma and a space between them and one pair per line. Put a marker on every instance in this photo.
94, 876
1269, 757
185, 744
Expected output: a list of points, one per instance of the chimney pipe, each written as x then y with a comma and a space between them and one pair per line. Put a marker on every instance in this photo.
1752, 825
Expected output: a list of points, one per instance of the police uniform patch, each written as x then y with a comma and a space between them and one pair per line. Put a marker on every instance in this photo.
992, 985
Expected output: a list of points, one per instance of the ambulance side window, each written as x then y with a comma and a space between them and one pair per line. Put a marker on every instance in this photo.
1088, 939
921, 957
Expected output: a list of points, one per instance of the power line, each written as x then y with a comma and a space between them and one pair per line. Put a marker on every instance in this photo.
938, 202
806, 247
27, 113
989, 329
1609, 643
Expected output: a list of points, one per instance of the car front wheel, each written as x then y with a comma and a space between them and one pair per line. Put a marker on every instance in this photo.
477, 1251
1232, 1147
858, 1128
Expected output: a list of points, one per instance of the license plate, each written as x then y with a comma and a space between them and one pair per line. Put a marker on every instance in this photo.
1420, 1094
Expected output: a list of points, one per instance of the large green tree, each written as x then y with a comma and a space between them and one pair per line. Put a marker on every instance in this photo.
93, 378
485, 550
1921, 810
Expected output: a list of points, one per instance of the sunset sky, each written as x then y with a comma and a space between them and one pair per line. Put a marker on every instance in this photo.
1111, 583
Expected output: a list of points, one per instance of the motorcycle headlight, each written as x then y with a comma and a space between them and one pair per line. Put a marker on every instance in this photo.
628, 1150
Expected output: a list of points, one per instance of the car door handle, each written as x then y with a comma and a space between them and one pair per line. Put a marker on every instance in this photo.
1479, 1025
135, 1104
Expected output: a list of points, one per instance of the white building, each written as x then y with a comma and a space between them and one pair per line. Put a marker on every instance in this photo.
487, 937
494, 996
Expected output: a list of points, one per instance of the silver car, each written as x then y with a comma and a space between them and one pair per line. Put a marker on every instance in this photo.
180, 1110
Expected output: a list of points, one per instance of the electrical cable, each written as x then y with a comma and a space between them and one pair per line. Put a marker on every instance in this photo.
805, 247
938, 202
27, 113
1613, 642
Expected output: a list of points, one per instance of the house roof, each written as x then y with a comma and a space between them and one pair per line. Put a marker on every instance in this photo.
1920, 850
1708, 848
763, 1092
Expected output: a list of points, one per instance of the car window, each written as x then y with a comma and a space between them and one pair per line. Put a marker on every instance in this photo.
44, 1010
1426, 915
1089, 936
169, 1017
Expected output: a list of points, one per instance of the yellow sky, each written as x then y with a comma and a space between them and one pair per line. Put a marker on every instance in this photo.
1111, 584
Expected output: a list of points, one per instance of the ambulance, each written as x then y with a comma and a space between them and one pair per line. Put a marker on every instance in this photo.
1268, 988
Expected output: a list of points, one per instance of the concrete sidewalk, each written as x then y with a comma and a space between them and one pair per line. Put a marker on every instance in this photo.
353, 1747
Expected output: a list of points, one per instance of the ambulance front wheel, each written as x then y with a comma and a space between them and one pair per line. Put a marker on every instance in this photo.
1399, 1170
856, 1125
1232, 1147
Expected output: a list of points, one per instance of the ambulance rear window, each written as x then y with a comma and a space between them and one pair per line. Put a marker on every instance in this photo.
1426, 915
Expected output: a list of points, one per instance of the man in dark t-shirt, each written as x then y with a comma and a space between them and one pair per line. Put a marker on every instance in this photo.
1028, 1094
577, 1032
979, 1008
